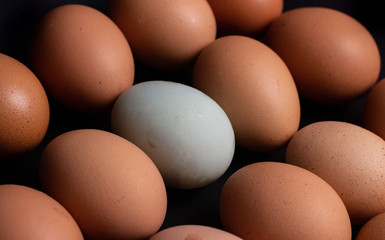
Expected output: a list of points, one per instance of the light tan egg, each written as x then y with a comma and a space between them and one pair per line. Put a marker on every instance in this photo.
24, 109
110, 186
254, 87
350, 158
273, 200
82, 58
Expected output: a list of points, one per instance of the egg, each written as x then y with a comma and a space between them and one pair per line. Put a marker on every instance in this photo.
275, 200
81, 57
333, 58
374, 109
24, 109
350, 158
186, 133
245, 17
165, 34
193, 232
254, 87
27, 213
110, 186
373, 229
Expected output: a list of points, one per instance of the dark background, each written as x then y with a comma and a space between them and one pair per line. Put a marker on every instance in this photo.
198, 206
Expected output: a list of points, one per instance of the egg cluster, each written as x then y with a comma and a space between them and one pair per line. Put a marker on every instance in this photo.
245, 73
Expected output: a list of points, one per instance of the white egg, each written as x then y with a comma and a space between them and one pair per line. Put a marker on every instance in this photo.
186, 133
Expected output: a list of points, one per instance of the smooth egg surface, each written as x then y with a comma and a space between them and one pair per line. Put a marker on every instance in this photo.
193, 232
27, 213
254, 87
82, 58
374, 229
186, 133
350, 158
245, 17
274, 200
165, 34
374, 110
333, 58
110, 186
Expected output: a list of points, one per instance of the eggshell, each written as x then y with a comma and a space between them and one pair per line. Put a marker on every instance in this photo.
254, 87
274, 200
374, 229
350, 158
333, 58
24, 109
165, 34
245, 17
193, 232
82, 58
186, 133
27, 213
374, 109
110, 186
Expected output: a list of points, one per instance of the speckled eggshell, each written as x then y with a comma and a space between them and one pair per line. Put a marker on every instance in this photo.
274, 200
245, 17
82, 58
374, 110
350, 158
165, 34
186, 133
27, 213
111, 187
254, 87
374, 229
334, 59
193, 232
24, 109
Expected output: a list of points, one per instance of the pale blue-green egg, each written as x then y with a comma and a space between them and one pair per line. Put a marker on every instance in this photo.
186, 133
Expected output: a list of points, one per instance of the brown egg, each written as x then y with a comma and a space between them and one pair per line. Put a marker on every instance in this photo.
374, 229
350, 158
245, 17
24, 109
110, 186
333, 58
272, 200
27, 213
255, 89
374, 110
165, 34
193, 232
82, 58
